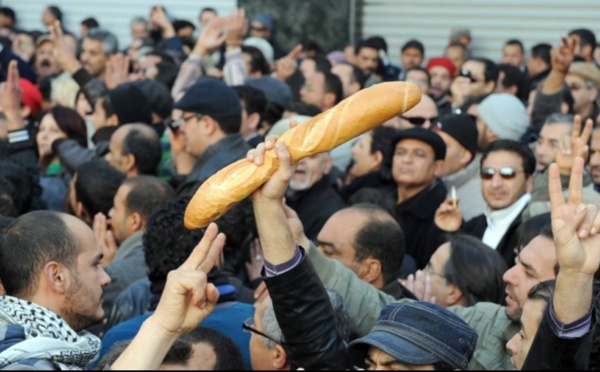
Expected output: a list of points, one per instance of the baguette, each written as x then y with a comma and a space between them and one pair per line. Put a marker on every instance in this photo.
353, 116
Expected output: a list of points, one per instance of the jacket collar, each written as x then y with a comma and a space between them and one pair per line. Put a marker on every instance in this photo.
227, 142
422, 205
129, 245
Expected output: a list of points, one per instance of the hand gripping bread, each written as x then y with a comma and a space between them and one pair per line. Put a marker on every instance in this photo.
353, 116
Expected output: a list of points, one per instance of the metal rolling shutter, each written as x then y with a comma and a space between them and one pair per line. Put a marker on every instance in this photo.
491, 22
113, 15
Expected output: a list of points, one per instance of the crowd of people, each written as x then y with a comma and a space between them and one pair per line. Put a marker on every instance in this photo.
461, 234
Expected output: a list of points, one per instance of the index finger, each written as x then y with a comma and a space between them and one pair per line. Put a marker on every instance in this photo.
554, 187
576, 126
295, 52
202, 249
587, 131
576, 182
13, 74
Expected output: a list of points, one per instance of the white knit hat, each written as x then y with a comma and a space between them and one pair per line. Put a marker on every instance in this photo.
505, 115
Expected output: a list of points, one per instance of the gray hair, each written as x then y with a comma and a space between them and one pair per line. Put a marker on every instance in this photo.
342, 320
138, 20
109, 41
559, 117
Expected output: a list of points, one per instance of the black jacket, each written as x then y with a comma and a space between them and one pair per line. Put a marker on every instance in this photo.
416, 217
306, 319
549, 352
315, 205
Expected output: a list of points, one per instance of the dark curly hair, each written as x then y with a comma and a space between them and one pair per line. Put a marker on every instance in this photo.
167, 243
239, 226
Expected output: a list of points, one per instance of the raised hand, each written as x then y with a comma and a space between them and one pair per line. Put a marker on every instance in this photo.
286, 66
576, 226
105, 238
448, 217
211, 38
235, 28
10, 98
117, 70
420, 285
63, 50
563, 55
188, 298
574, 145
159, 17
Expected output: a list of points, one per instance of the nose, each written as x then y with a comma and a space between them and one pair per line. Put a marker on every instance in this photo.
497, 180
512, 344
509, 275
104, 278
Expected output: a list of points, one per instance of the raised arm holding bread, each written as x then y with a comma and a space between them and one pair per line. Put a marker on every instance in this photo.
353, 116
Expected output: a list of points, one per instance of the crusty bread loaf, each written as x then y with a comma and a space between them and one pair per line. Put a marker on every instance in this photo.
353, 116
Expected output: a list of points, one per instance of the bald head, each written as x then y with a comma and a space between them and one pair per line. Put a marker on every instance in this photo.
424, 114
134, 150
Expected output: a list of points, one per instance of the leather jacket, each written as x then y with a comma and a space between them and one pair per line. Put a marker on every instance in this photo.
305, 316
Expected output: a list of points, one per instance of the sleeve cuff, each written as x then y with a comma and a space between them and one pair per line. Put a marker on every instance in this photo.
572, 330
274, 270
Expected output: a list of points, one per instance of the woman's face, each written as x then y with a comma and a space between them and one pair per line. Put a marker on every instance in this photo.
47, 133
364, 161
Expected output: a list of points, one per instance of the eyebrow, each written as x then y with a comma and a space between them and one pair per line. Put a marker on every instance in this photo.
526, 265
387, 363
329, 244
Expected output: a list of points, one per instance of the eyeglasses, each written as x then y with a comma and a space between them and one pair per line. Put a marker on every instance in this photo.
418, 120
175, 124
467, 74
575, 87
258, 28
247, 326
507, 173
429, 270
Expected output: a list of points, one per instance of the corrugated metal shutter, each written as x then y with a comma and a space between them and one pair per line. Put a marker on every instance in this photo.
113, 15
491, 22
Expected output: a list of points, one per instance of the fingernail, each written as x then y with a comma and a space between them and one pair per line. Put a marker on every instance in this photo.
280, 145
269, 143
583, 233
580, 208
593, 231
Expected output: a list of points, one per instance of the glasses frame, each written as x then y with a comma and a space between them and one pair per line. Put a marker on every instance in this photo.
247, 326
485, 173
419, 120
467, 74
429, 271
176, 124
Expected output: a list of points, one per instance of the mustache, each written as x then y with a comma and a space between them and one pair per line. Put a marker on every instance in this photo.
45, 63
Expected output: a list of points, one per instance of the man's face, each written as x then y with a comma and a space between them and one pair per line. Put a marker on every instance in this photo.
310, 170
93, 58
424, 114
313, 90
436, 269
414, 163
83, 297
420, 79
367, 60
534, 264
139, 30
205, 17
456, 55
411, 57
476, 85
512, 55
119, 215
595, 157
499, 192
519, 345
45, 61
440, 82
193, 134
457, 157
583, 96
115, 153
260, 354
308, 67
381, 361
258, 29
336, 238
363, 161
99, 118
548, 142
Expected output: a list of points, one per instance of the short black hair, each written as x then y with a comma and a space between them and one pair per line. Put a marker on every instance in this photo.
166, 73
19, 187
90, 23
29, 243
475, 269
333, 84
181, 24
380, 42
322, 63
8, 197
513, 76
415, 44
542, 51
8, 12
258, 62
370, 195
586, 37
229, 124
540, 225
490, 70
302, 108
96, 185
146, 194
229, 356
310, 45
381, 140
254, 99
239, 226
381, 238
56, 12
207, 9
516, 147
368, 43
516, 42
167, 242
179, 353
145, 147
422, 69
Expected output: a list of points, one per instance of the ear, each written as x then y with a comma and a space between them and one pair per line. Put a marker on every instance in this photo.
490, 135
372, 270
130, 163
378, 158
328, 164
113, 120
136, 222
529, 184
454, 296
82, 213
55, 275
512, 90
209, 125
490, 86
253, 121
279, 357
593, 94
439, 167
329, 99
465, 157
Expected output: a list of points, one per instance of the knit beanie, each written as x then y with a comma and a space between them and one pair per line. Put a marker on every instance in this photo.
505, 115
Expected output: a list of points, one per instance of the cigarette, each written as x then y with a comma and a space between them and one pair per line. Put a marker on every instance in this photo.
453, 191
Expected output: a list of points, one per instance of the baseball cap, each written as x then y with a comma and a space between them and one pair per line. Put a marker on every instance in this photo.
420, 333
431, 138
460, 127
212, 97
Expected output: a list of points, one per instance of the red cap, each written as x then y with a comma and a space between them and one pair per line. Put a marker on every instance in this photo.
32, 97
443, 62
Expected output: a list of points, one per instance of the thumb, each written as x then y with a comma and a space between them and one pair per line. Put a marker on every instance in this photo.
212, 296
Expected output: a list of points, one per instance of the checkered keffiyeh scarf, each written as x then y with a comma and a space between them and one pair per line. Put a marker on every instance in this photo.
34, 332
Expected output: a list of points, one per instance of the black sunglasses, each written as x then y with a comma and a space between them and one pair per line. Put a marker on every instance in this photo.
175, 124
419, 120
258, 28
247, 326
506, 173
468, 75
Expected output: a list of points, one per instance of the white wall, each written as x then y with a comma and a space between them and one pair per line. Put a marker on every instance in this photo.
113, 15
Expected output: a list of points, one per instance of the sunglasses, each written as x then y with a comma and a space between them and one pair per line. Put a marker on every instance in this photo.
467, 74
419, 120
259, 29
507, 173
175, 124
247, 326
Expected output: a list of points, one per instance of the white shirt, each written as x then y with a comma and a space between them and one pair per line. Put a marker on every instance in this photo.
499, 221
